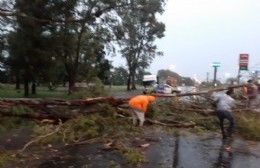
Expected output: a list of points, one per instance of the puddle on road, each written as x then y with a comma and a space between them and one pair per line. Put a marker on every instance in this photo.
208, 151
204, 151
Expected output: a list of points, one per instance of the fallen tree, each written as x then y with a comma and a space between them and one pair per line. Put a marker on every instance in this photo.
54, 109
201, 93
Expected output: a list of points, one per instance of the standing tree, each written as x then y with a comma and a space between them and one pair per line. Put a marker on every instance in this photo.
4, 23
28, 44
74, 33
2, 50
120, 76
82, 34
69, 25
165, 73
137, 33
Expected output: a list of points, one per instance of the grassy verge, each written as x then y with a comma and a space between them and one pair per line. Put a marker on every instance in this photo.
9, 91
248, 125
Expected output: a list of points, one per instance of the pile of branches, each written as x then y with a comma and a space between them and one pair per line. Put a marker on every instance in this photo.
59, 111
56, 109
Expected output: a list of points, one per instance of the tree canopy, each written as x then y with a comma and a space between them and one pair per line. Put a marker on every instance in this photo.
70, 40
136, 35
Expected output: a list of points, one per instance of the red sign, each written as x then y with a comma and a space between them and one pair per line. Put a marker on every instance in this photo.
243, 61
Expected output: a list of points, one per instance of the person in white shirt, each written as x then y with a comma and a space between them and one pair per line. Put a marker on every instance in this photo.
224, 104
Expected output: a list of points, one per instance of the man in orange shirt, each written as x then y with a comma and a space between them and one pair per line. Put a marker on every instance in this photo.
139, 106
252, 93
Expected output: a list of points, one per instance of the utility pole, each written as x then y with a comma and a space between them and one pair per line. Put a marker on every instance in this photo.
207, 77
215, 76
215, 65
238, 76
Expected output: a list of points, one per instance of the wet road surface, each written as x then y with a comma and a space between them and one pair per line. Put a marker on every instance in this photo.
165, 150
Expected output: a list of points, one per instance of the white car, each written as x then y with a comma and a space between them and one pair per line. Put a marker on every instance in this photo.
167, 89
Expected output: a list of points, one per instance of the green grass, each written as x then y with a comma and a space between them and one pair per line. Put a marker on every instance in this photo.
120, 89
9, 91
248, 125
44, 92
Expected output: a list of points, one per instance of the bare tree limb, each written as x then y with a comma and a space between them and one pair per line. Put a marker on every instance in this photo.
39, 138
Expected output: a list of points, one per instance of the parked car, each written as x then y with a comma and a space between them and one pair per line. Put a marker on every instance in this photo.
161, 88
150, 83
167, 89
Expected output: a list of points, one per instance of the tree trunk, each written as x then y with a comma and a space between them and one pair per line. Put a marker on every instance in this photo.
26, 87
133, 87
70, 88
64, 83
71, 84
128, 82
72, 72
17, 82
33, 88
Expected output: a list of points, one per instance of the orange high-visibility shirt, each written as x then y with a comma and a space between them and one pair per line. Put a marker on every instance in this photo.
141, 102
245, 89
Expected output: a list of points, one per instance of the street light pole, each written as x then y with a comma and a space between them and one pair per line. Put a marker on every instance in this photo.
215, 65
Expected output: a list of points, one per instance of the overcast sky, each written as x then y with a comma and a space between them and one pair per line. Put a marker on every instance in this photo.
199, 32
